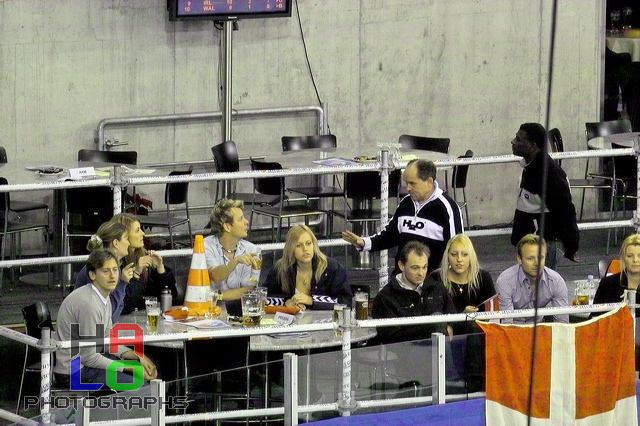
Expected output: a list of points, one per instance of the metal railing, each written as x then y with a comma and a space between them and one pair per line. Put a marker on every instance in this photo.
120, 181
345, 405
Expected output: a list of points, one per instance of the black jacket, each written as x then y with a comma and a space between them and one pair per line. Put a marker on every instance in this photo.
333, 286
394, 301
611, 289
560, 219
433, 225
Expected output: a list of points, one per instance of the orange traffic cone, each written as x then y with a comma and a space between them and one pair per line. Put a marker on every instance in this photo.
198, 283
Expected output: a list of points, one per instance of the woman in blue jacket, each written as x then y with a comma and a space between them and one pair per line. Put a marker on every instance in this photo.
305, 278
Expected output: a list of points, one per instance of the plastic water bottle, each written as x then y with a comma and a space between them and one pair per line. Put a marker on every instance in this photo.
166, 300
591, 288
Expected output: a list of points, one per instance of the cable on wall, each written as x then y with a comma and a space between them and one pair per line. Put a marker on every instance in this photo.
306, 55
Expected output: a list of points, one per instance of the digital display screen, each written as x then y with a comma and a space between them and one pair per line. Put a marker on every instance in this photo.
227, 9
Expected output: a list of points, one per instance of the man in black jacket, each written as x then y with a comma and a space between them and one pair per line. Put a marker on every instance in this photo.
427, 215
412, 293
560, 216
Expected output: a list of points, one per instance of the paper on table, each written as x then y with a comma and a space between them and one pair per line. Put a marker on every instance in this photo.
335, 161
409, 157
207, 323
284, 319
106, 171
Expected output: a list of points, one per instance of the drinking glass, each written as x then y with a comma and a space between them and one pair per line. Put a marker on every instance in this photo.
614, 15
153, 313
252, 310
581, 295
212, 300
627, 14
263, 295
361, 305
338, 314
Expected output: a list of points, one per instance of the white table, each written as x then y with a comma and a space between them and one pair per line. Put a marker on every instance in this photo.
315, 340
625, 45
604, 142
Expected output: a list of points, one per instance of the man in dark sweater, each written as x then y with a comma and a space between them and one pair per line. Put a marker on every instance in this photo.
412, 293
560, 213
427, 215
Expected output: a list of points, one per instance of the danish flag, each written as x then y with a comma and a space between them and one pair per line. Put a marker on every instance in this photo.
584, 373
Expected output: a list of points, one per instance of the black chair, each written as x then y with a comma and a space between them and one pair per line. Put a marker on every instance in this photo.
555, 141
363, 188
325, 143
280, 209
597, 129
13, 229
36, 317
625, 174
176, 193
425, 143
85, 209
605, 128
226, 159
112, 157
598, 182
115, 157
459, 182
19, 206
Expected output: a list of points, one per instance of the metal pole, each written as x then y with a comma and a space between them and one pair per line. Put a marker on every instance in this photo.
45, 375
383, 277
227, 65
291, 389
157, 409
344, 405
117, 189
83, 414
438, 368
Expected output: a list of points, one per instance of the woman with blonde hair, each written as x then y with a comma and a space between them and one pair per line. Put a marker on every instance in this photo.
112, 236
468, 284
469, 287
305, 277
149, 274
612, 287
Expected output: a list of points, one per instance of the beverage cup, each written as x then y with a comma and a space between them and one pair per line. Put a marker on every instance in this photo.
361, 305
627, 14
263, 295
212, 300
252, 310
153, 313
581, 297
614, 16
255, 271
338, 314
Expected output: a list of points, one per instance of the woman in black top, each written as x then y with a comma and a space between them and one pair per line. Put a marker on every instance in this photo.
468, 285
304, 277
611, 288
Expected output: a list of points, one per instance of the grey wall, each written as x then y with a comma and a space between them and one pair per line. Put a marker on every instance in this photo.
471, 70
